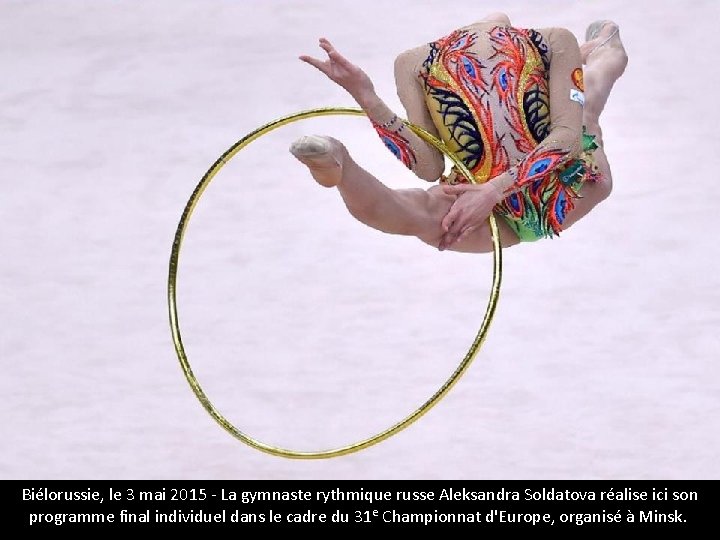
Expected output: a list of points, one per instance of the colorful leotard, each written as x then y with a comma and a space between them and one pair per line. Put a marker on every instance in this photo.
506, 101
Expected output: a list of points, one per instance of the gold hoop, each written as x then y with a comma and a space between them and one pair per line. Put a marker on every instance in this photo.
172, 300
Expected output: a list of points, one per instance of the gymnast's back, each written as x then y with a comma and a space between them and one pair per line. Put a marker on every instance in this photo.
493, 92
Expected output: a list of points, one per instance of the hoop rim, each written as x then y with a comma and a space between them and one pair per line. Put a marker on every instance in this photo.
173, 310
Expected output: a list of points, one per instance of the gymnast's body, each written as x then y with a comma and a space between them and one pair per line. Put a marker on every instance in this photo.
515, 105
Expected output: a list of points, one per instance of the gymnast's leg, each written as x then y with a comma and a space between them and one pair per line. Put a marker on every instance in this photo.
605, 61
412, 212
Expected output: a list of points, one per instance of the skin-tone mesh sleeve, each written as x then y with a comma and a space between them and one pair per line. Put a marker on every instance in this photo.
563, 142
423, 159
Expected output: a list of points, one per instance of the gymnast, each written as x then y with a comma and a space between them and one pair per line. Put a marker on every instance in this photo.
515, 105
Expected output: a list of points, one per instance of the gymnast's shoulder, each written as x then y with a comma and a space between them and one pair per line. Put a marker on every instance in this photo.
411, 60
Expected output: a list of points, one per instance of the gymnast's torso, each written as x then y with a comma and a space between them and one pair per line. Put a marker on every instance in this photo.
491, 97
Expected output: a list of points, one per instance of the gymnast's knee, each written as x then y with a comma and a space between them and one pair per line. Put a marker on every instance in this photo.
596, 192
604, 187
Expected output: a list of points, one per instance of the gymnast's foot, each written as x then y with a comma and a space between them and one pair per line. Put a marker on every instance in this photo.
323, 156
603, 39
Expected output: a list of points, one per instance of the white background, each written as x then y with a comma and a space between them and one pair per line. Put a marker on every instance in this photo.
307, 329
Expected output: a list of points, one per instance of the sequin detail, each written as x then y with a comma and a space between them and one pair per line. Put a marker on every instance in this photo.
577, 79
397, 144
470, 99
539, 209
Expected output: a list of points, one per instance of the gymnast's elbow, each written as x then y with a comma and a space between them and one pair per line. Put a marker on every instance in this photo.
430, 172
568, 138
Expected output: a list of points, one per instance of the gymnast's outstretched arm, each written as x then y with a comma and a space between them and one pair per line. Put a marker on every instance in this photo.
420, 157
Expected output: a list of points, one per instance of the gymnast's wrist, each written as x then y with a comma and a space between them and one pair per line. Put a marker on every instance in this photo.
501, 186
368, 101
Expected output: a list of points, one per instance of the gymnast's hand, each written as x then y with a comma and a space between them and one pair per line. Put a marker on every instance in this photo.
468, 212
341, 71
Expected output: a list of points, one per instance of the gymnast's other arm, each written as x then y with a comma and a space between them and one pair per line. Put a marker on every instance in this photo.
422, 158
562, 144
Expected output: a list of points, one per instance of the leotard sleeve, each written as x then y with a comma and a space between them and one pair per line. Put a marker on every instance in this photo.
422, 158
564, 140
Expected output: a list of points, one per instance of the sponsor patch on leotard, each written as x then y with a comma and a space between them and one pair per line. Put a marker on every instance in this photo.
577, 79
577, 95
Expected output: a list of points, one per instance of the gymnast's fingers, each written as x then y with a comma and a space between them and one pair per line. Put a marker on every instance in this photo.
446, 241
333, 53
319, 64
465, 234
449, 218
455, 189
326, 45
457, 227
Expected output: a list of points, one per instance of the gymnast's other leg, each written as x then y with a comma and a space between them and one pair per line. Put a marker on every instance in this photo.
412, 212
605, 61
